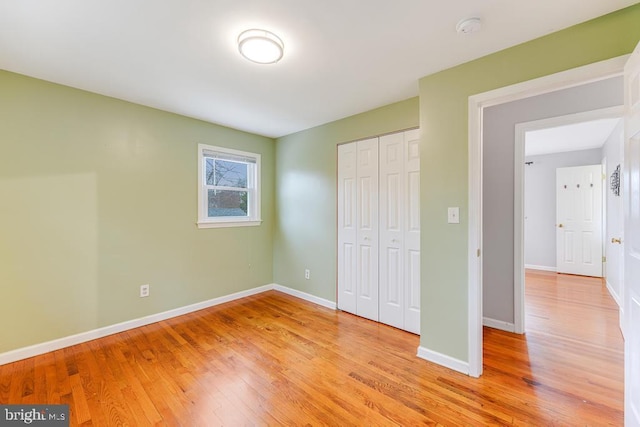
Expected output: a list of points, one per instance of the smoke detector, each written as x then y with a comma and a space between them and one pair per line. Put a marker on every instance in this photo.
468, 26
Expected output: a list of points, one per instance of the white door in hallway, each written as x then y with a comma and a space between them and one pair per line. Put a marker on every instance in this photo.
631, 193
579, 220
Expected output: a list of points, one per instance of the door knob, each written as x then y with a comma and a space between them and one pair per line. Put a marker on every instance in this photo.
560, 225
614, 240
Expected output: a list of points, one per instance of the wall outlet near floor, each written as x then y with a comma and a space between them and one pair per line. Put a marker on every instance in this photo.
307, 274
144, 291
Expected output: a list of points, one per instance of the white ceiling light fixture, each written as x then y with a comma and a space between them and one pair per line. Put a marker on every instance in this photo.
468, 26
260, 46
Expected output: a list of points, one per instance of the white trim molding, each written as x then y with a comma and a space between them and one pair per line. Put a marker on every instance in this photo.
443, 360
45, 347
540, 267
305, 296
498, 324
614, 295
474, 291
477, 103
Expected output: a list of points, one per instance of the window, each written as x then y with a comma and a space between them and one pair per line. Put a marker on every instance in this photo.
228, 187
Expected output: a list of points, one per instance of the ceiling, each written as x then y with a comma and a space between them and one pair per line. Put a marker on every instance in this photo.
573, 137
341, 57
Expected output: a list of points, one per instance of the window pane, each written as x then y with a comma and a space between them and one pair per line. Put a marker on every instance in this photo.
208, 166
227, 203
225, 173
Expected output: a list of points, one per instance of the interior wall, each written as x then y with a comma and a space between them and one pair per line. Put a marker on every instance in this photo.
99, 196
444, 101
613, 151
306, 195
540, 203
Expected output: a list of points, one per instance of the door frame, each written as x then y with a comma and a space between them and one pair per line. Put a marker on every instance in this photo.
518, 195
477, 103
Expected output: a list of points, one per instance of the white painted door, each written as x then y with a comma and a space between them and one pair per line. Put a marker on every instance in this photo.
367, 228
347, 230
579, 220
412, 232
379, 229
392, 219
614, 221
400, 230
631, 193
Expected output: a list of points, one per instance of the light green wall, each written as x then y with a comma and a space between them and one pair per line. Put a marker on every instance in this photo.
444, 156
98, 196
305, 233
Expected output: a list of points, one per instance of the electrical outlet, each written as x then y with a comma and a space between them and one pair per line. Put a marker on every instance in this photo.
144, 291
307, 274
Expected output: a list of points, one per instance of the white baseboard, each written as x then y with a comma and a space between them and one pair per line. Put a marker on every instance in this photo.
614, 295
498, 324
541, 267
45, 347
305, 296
443, 360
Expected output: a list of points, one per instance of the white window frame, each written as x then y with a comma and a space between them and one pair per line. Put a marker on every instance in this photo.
253, 189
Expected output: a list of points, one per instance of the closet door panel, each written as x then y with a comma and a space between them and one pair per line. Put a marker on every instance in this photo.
367, 228
412, 233
392, 202
347, 228
412, 307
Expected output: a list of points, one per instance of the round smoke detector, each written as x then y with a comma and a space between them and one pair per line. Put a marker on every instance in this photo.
468, 26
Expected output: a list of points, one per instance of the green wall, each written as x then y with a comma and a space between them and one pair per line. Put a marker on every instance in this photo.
305, 232
444, 156
98, 196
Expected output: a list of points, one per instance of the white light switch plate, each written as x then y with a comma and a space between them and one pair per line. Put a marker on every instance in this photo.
453, 215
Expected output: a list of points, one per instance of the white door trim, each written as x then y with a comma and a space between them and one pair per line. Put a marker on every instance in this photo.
563, 80
518, 196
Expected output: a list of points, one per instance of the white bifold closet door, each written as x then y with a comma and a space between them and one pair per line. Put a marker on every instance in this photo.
400, 231
358, 228
347, 234
379, 229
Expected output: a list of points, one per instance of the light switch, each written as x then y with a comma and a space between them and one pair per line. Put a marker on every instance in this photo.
453, 215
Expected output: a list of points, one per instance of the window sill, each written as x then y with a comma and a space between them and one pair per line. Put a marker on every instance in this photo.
232, 223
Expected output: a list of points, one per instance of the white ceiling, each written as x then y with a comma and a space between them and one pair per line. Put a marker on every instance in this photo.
577, 136
342, 57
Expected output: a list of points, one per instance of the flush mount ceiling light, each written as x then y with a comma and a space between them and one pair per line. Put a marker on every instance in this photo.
260, 46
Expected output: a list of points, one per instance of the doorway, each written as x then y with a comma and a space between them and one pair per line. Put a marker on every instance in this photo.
478, 106
540, 147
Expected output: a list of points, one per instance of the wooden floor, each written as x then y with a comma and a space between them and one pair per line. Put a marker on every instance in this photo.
272, 359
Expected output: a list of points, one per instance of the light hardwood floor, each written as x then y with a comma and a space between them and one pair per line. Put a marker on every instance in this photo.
272, 359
